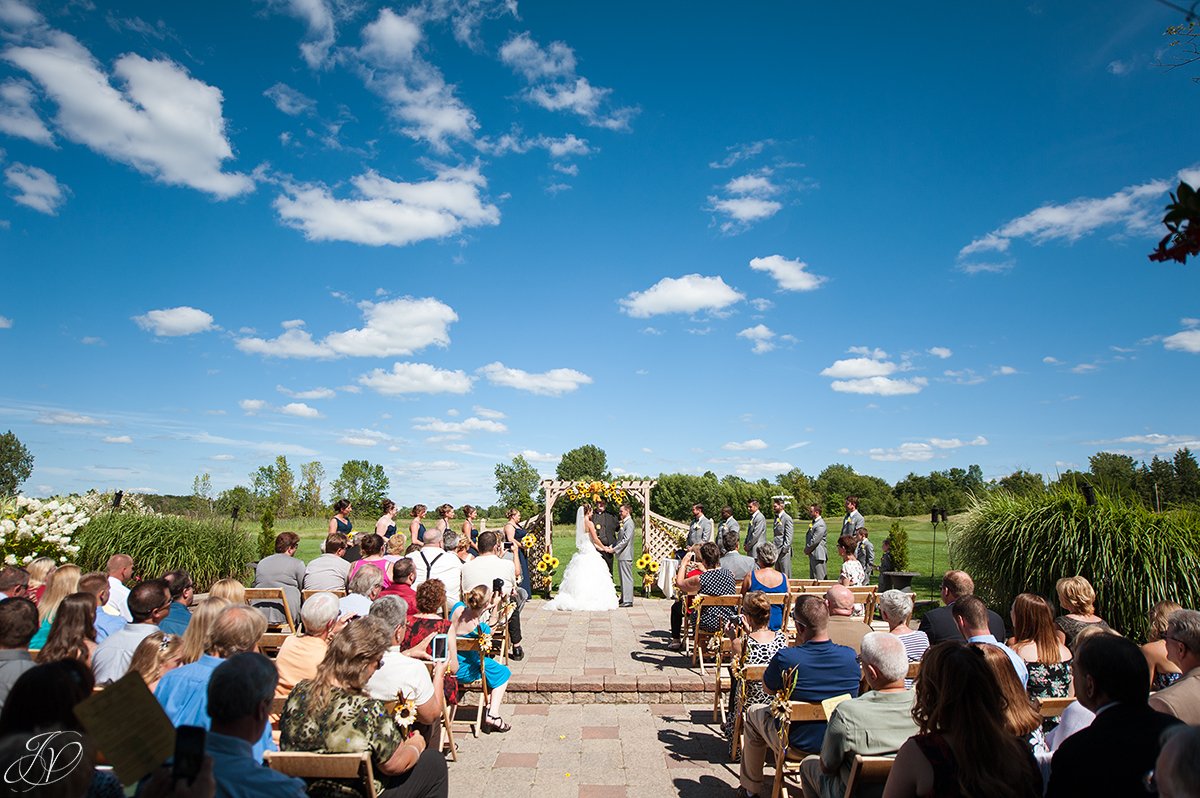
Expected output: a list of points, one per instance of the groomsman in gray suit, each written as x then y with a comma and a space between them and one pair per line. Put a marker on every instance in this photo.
728, 524
700, 532
783, 539
814, 544
757, 534
623, 551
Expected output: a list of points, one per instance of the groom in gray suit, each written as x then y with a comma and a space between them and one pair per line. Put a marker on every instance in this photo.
623, 552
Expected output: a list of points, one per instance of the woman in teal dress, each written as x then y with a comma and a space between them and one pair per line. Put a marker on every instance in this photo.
468, 617
513, 533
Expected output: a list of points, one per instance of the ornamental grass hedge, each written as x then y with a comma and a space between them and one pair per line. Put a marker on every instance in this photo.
207, 550
1132, 556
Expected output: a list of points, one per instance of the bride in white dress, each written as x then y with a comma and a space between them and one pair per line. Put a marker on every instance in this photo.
587, 584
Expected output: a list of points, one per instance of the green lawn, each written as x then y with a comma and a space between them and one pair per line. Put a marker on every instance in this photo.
312, 532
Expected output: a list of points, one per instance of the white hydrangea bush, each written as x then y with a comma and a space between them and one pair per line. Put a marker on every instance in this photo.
32, 528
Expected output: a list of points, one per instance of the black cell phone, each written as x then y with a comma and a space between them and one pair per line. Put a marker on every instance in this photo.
189, 753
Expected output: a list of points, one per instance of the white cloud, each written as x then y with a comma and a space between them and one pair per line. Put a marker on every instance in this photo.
1084, 368
755, 469
527, 58
409, 378
740, 152
5, 323
172, 322
289, 100
17, 115
314, 393
37, 188
762, 305
751, 445
118, 439
1006, 371
1051, 361
390, 328
385, 212
161, 121
867, 351
318, 16
391, 39
350, 440
554, 382
859, 368
880, 386
688, 294
955, 443
906, 452
222, 458
796, 445
761, 335
940, 351
300, 410
1119, 68
252, 406
746, 200
533, 456
484, 412
472, 424
789, 274
555, 86
1184, 341
70, 419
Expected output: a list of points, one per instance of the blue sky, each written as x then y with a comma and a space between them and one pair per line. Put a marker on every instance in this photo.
436, 235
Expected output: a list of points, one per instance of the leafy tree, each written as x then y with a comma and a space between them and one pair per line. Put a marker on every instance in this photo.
240, 497
585, 461
797, 483
1115, 473
838, 481
364, 484
276, 484
1023, 483
309, 495
202, 493
516, 484
266, 533
1187, 476
1157, 483
16, 464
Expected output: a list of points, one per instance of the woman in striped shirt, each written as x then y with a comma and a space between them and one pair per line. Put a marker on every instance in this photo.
896, 607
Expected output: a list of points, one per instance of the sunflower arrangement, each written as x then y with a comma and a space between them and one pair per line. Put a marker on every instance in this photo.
529, 541
594, 491
781, 702
405, 714
548, 566
648, 567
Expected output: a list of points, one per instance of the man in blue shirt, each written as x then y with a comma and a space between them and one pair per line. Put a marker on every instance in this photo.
971, 615
239, 703
183, 590
106, 621
821, 668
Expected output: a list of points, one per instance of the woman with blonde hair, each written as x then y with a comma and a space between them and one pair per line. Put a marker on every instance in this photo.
197, 637
1163, 672
963, 745
396, 545
1020, 717
1034, 640
63, 582
73, 631
158, 653
1077, 597
40, 570
331, 713
468, 617
232, 590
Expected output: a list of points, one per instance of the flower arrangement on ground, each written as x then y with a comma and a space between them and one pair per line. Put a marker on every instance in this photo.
594, 491
648, 567
546, 568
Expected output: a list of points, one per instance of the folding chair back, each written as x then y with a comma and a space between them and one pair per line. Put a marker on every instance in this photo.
914, 670
787, 762
272, 598
1053, 707
311, 766
868, 770
702, 637
467, 644
751, 673
305, 595
448, 743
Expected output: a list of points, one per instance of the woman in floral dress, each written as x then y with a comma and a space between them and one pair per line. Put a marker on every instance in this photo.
753, 643
1035, 641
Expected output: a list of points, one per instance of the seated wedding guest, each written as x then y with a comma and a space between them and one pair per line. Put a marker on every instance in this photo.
372, 557
232, 590
120, 571
40, 570
365, 587
196, 638
148, 605
106, 620
852, 573
331, 713
1182, 699
737, 564
284, 571
429, 621
470, 623
963, 747
18, 622
765, 579
73, 634
713, 580
970, 613
14, 582
400, 675
751, 643
1177, 770
844, 629
1077, 597
1163, 672
464, 549
1111, 756
183, 593
1076, 716
876, 723
821, 668
404, 573
238, 703
183, 692
1035, 642
896, 608
396, 546
485, 570
416, 529
63, 583
939, 625
330, 571
154, 656
385, 527
1020, 716
301, 653
432, 561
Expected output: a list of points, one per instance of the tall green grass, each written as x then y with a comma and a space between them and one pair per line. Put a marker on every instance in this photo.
1132, 556
207, 550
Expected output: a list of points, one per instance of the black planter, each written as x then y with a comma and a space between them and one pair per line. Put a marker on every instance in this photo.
897, 580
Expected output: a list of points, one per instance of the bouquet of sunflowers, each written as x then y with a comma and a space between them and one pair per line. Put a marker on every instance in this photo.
592, 492
548, 566
648, 567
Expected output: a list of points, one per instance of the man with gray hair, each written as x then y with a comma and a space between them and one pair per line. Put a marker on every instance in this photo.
239, 704
876, 723
733, 561
402, 676
434, 562
1177, 771
1182, 637
300, 655
365, 587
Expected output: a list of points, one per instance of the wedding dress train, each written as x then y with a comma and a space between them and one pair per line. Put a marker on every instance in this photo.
587, 584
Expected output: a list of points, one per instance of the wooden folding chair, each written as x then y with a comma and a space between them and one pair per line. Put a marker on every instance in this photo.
273, 598
787, 760
500, 633
305, 595
867, 770
270, 643
447, 724
1053, 707
752, 673
914, 670
784, 600
311, 767
702, 637
723, 677
472, 644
